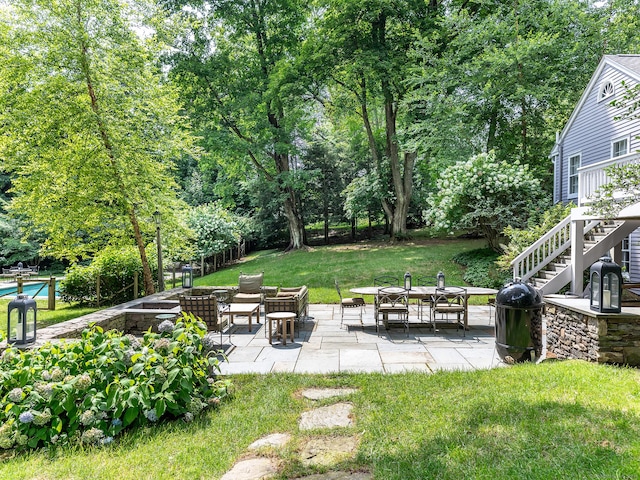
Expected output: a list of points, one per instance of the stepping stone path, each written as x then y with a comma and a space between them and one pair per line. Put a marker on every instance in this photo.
328, 450
323, 450
273, 440
252, 469
331, 416
322, 393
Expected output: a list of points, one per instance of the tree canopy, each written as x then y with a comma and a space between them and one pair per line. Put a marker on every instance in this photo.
88, 127
291, 102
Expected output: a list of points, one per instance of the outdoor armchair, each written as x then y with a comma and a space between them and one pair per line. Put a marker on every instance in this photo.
249, 288
205, 307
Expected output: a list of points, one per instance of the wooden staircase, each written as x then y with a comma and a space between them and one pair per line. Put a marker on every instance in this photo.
547, 264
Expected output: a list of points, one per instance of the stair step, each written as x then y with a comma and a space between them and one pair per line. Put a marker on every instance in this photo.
557, 267
537, 281
546, 274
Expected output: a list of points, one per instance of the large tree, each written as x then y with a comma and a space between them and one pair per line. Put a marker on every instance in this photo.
88, 129
232, 66
362, 48
506, 75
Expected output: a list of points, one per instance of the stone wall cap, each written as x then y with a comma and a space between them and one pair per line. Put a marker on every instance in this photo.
581, 305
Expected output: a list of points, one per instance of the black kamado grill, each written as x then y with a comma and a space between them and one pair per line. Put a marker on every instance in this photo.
519, 323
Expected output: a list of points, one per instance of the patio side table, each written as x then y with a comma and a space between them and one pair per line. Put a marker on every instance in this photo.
281, 319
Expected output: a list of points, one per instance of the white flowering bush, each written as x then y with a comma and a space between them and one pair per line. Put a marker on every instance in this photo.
484, 194
91, 390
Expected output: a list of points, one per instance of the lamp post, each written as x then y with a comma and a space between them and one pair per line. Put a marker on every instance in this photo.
157, 217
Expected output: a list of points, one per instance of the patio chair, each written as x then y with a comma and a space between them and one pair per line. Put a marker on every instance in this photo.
491, 302
383, 281
386, 281
424, 301
249, 288
204, 307
451, 301
350, 303
392, 301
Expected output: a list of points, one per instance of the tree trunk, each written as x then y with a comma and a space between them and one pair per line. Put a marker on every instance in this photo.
326, 224
296, 228
401, 175
108, 146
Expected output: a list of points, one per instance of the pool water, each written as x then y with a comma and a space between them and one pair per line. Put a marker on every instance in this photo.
28, 288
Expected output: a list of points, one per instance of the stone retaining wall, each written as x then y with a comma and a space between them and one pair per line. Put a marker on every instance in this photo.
575, 331
571, 334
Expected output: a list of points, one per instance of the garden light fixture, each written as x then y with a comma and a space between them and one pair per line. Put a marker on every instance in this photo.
606, 286
21, 320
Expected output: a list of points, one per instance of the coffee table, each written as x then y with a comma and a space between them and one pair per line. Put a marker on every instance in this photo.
246, 309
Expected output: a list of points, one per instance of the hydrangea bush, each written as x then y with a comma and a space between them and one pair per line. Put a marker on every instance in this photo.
487, 195
91, 390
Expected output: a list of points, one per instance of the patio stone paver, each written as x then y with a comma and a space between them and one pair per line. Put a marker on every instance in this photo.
447, 355
360, 360
331, 416
322, 393
252, 469
321, 346
273, 440
392, 356
328, 450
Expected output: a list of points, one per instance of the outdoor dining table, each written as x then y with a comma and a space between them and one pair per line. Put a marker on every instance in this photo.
21, 271
423, 292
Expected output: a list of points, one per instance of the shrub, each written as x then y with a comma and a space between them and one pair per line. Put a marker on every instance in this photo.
116, 268
90, 390
485, 194
482, 270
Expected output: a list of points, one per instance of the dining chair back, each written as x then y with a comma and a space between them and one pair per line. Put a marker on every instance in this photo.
450, 302
392, 301
350, 303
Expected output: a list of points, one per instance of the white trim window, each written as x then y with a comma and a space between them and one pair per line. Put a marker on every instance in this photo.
574, 165
606, 90
626, 263
619, 147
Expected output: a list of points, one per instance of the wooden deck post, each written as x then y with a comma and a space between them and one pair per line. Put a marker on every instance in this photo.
51, 294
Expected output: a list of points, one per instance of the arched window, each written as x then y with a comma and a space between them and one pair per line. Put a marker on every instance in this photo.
606, 90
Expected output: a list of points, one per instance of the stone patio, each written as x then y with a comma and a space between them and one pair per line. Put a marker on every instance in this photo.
322, 345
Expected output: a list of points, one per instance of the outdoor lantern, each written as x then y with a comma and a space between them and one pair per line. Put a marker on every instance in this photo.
606, 286
407, 281
21, 322
440, 280
187, 276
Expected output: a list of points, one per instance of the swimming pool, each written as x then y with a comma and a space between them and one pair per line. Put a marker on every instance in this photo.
30, 289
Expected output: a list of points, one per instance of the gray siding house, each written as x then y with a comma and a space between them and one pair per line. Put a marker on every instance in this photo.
593, 139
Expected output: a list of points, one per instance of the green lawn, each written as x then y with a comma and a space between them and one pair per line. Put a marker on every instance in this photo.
557, 420
353, 265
